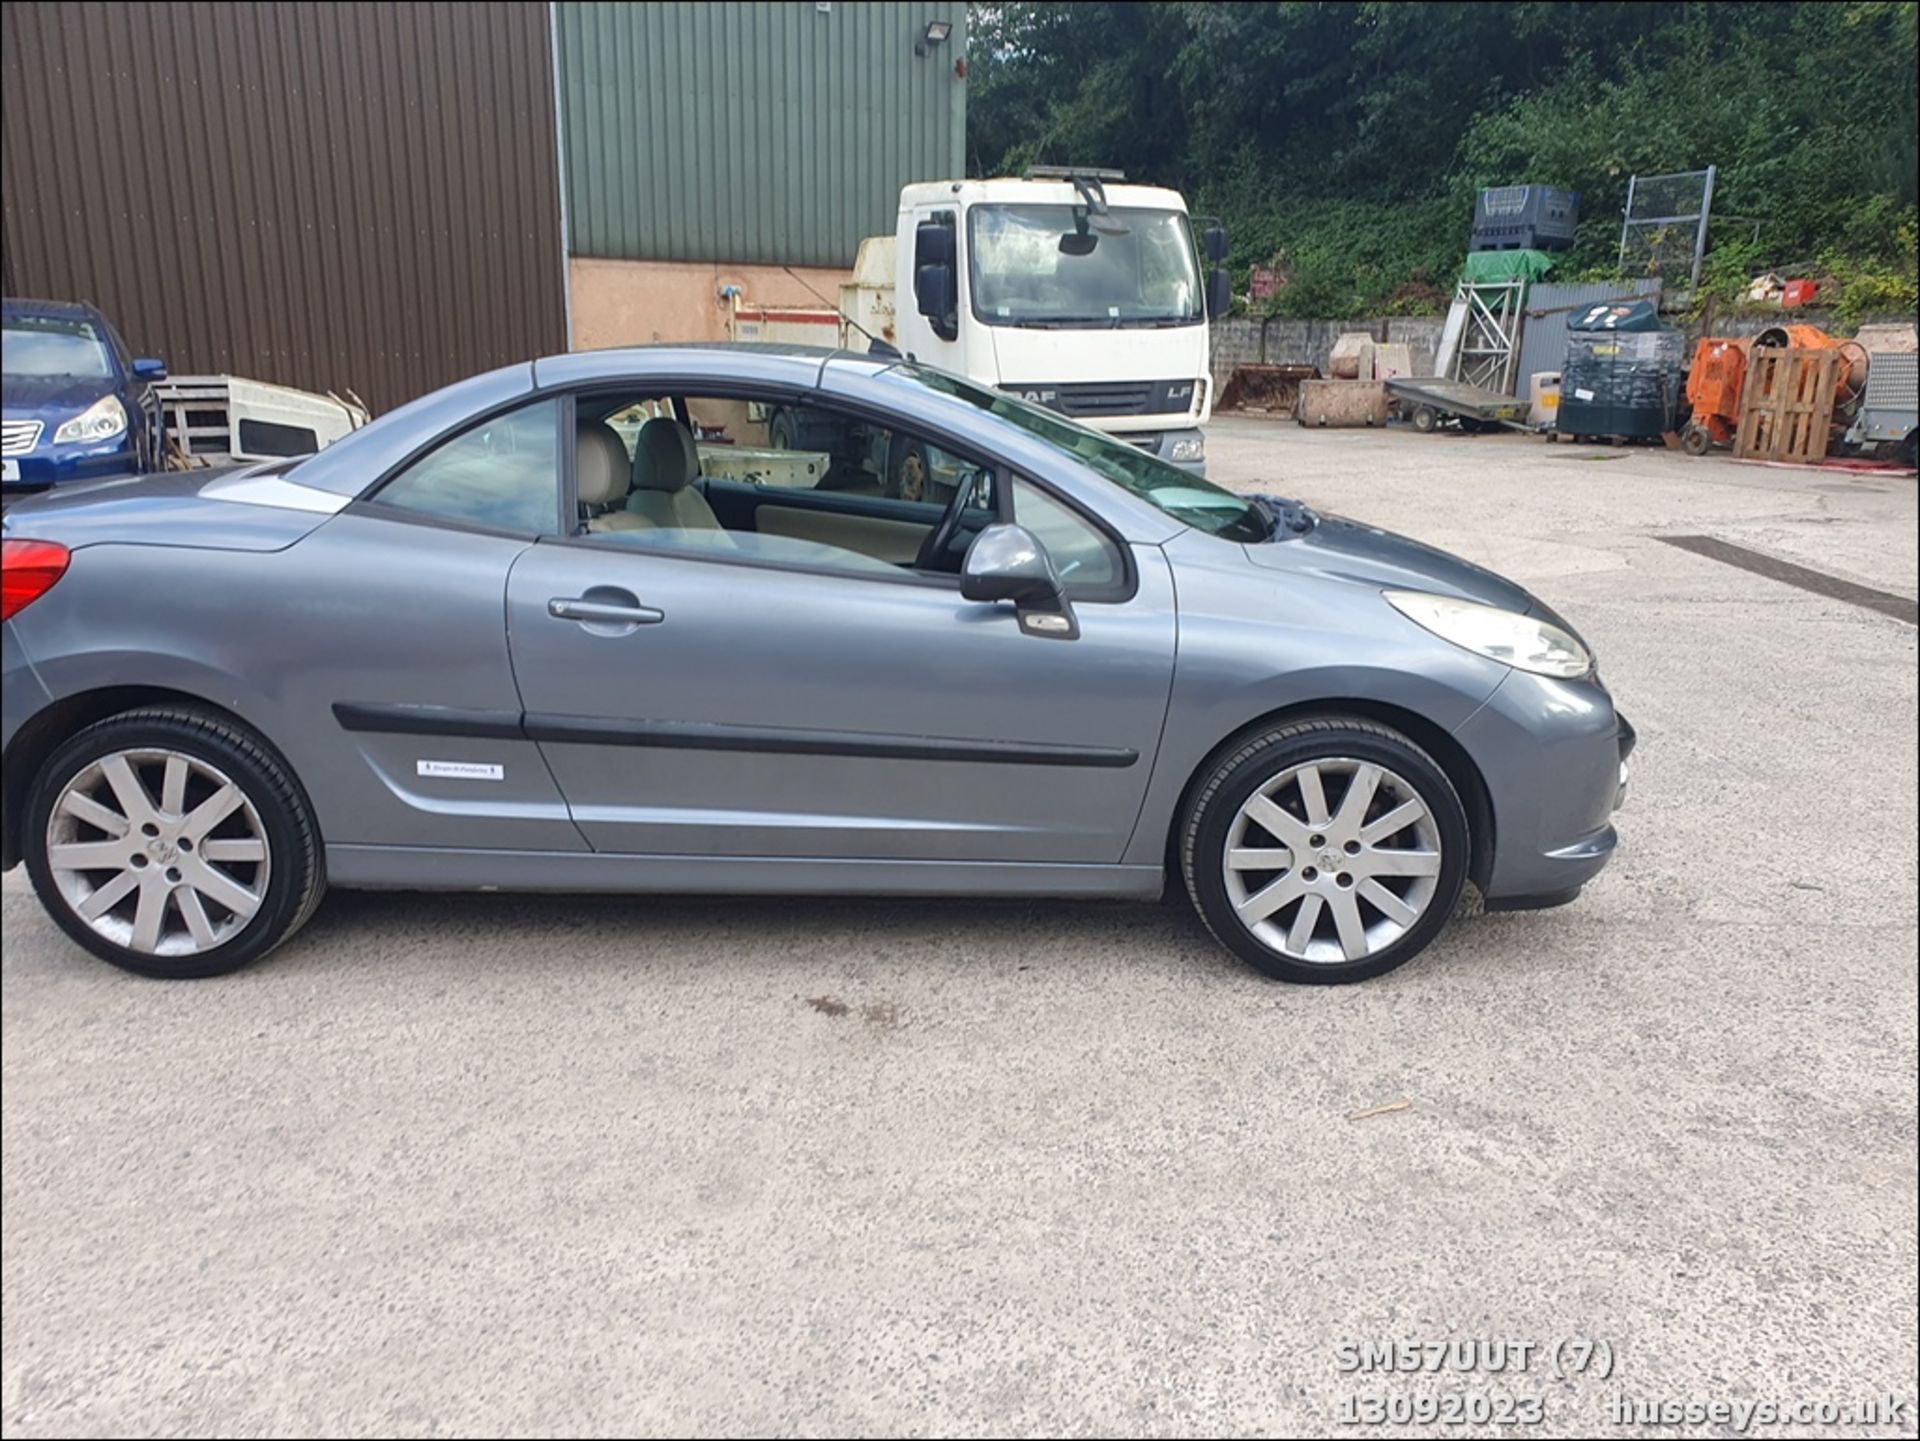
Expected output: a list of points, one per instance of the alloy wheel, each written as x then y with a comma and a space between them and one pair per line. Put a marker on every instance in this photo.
158, 851
1332, 860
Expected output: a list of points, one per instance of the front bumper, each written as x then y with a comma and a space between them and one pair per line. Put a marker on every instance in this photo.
1553, 755
49, 464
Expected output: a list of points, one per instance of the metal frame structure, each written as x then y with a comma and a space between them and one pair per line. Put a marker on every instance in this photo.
1698, 219
1490, 332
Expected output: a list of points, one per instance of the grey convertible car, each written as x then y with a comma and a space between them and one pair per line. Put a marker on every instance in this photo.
657, 620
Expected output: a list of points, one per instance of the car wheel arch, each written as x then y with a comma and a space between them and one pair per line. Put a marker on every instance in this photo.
1431, 737
66, 717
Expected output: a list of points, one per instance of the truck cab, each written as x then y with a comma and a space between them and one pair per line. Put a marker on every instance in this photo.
1070, 289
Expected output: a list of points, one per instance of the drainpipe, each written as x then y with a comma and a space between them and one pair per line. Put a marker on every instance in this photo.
560, 152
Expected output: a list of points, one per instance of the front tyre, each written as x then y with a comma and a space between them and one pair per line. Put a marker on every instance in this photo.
1325, 851
172, 843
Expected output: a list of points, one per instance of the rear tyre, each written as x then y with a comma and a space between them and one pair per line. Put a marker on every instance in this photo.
1695, 440
172, 844
1425, 419
1325, 851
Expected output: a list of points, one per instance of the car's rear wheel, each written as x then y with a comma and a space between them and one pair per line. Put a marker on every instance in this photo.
1325, 850
172, 843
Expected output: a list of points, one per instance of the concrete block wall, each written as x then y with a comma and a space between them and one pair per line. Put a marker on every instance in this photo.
1282, 340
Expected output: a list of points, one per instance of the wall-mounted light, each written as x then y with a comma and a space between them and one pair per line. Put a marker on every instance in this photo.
936, 33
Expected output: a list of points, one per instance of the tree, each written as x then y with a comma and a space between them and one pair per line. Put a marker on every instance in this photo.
1346, 140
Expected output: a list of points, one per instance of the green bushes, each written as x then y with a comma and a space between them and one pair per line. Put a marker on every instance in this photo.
1343, 143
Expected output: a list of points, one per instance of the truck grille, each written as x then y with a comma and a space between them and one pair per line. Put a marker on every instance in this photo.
18, 437
1104, 398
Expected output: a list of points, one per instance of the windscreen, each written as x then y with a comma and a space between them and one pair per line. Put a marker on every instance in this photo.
37, 345
1187, 498
1050, 267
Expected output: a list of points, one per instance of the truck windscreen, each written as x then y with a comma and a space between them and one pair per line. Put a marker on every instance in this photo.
1045, 266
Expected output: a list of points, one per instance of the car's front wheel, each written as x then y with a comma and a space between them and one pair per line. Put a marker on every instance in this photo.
1325, 850
172, 843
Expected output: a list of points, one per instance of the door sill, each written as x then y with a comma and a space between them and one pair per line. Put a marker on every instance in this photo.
420, 868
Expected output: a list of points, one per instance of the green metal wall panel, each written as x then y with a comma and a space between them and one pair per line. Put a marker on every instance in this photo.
777, 132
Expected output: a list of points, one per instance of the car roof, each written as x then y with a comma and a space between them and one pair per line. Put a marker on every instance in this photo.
51, 309
799, 365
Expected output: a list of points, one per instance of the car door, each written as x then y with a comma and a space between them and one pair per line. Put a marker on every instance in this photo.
700, 702
390, 644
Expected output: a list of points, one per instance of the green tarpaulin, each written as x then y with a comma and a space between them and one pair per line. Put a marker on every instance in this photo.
1485, 267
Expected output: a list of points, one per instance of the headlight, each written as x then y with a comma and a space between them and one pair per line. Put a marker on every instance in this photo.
102, 420
1513, 639
1193, 447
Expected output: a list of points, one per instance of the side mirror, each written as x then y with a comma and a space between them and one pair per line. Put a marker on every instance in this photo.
936, 277
1215, 240
936, 295
149, 370
933, 244
1219, 293
1006, 562
933, 292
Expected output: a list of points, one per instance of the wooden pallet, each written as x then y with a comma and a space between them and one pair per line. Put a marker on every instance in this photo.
1786, 407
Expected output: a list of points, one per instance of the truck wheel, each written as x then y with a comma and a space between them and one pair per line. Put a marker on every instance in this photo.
908, 475
1695, 440
1426, 419
780, 431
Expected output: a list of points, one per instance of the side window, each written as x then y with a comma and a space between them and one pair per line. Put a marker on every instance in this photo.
772, 481
504, 474
1081, 551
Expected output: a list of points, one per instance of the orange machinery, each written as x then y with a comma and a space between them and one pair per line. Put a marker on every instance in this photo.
1714, 384
1717, 382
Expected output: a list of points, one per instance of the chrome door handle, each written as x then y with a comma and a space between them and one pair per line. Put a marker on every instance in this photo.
607, 613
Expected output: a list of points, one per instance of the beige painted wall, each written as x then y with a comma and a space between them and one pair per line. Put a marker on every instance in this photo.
638, 302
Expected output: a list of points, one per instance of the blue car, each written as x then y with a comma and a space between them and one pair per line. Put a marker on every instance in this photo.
77, 405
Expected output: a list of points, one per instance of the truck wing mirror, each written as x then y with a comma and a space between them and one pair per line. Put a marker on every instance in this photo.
1215, 239
1219, 293
933, 293
933, 244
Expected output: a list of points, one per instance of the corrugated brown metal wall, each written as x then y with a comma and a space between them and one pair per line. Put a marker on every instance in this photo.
326, 196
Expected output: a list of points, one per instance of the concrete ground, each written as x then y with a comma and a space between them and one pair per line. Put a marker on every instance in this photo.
488, 1164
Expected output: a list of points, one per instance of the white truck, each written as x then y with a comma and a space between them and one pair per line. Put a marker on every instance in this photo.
1066, 287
